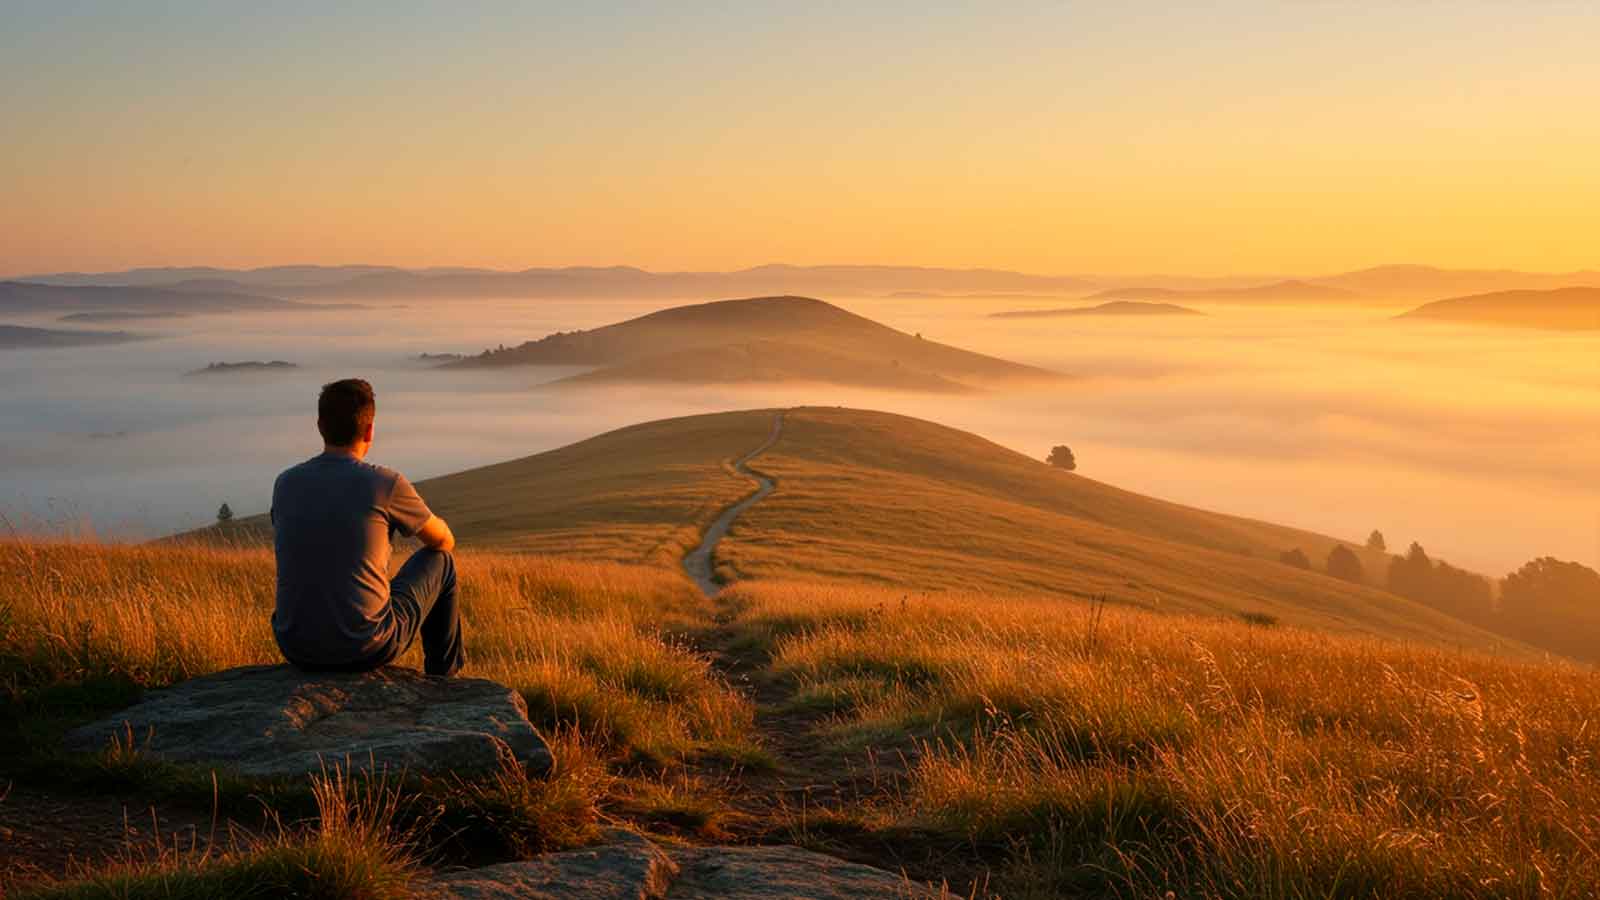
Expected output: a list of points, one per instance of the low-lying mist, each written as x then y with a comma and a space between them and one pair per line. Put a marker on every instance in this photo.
1482, 444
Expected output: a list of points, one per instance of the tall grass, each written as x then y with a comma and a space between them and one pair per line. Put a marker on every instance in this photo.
1147, 753
358, 848
85, 625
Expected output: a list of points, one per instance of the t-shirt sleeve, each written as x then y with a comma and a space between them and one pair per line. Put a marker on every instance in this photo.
406, 510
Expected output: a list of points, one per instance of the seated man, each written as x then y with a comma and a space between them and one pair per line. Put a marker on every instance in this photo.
332, 517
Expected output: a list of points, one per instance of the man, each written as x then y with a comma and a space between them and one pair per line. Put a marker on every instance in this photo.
332, 518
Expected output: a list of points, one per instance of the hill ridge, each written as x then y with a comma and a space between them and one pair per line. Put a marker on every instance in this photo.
812, 340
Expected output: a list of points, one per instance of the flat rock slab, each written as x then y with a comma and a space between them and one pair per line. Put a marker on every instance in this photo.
272, 721
632, 868
783, 873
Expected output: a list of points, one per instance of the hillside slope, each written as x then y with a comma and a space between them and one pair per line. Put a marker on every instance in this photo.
1564, 309
766, 362
809, 340
880, 498
875, 498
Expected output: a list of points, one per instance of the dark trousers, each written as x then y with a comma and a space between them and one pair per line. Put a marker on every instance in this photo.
426, 581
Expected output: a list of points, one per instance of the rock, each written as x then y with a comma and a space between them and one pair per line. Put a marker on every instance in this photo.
631, 868
269, 721
783, 873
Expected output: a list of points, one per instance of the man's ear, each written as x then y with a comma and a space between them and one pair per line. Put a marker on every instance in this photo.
366, 433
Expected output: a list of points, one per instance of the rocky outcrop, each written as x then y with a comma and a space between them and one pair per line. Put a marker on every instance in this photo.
270, 721
630, 867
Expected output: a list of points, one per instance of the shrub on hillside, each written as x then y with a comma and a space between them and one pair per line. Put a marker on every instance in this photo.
1061, 457
1344, 564
1296, 558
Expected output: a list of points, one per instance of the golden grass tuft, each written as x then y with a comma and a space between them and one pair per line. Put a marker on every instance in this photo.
357, 849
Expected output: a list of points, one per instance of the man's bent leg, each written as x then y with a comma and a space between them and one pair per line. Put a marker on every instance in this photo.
428, 579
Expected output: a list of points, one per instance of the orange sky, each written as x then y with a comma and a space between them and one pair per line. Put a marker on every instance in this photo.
1265, 138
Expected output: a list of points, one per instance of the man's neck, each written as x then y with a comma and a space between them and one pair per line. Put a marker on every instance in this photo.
356, 452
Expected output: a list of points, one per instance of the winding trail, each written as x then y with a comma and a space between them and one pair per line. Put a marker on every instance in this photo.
699, 561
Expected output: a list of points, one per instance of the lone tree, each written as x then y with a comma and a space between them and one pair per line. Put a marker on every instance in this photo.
1376, 542
1061, 457
224, 514
1344, 564
1296, 558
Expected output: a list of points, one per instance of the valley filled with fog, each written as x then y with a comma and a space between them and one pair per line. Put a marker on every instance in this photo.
1483, 444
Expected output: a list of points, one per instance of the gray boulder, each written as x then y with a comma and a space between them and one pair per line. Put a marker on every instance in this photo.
630, 867
270, 721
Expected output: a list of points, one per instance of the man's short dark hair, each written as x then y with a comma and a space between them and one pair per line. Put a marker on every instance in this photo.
344, 410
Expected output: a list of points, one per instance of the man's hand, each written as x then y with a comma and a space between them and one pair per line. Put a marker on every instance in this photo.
435, 535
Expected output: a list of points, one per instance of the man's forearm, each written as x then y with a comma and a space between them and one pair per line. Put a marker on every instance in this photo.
435, 534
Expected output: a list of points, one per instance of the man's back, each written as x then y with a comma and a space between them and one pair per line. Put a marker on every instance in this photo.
332, 518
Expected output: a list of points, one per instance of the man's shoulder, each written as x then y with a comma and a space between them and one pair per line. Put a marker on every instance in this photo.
382, 472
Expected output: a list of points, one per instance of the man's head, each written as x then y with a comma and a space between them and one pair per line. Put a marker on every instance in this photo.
345, 411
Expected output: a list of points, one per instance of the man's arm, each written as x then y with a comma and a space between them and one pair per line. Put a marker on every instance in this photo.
435, 535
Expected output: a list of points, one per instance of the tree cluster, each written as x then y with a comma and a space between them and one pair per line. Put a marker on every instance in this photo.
1438, 584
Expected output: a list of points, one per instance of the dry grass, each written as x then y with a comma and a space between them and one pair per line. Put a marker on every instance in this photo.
874, 498
1141, 753
1111, 753
357, 848
82, 625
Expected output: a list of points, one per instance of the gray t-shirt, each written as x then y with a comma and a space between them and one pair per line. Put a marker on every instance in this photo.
332, 517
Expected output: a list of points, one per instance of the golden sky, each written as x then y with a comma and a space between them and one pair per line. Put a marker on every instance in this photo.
1116, 138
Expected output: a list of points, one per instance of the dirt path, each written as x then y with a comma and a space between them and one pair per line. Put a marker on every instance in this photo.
699, 563
815, 793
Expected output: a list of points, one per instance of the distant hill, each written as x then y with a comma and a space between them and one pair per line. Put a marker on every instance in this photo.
18, 337
269, 276
1112, 308
1565, 309
121, 315
251, 365
767, 362
387, 282
874, 498
1276, 292
761, 339
1424, 282
19, 297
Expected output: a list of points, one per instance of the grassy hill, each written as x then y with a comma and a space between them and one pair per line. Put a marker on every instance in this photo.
1565, 309
869, 497
875, 498
762, 338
